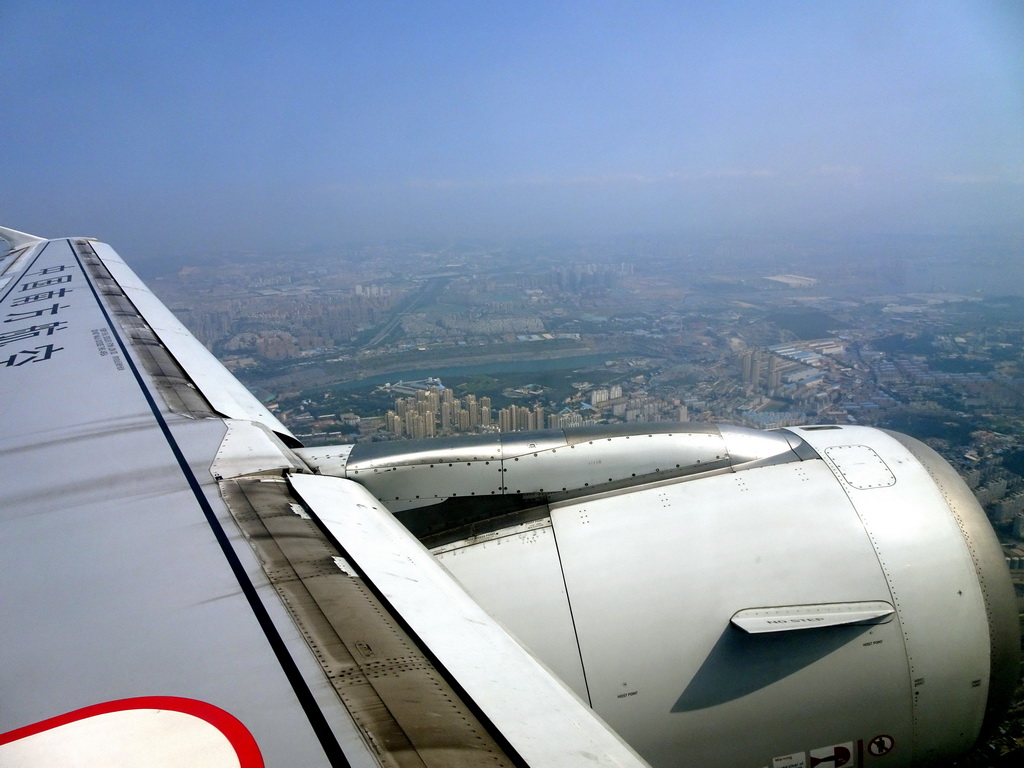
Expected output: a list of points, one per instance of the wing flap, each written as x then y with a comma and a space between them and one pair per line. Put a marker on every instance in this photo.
542, 721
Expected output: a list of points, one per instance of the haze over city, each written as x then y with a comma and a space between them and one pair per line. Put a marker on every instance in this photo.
178, 128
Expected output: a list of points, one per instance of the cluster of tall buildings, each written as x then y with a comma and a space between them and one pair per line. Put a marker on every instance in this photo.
437, 411
779, 365
517, 418
761, 370
599, 396
431, 410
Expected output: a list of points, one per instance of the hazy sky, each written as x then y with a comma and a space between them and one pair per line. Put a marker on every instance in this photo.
163, 126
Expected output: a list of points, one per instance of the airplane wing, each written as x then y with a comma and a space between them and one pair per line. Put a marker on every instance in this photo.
179, 588
185, 584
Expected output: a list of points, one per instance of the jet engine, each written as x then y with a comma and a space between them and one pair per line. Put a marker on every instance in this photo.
819, 595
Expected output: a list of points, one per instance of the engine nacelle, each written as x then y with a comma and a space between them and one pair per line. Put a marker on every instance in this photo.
722, 596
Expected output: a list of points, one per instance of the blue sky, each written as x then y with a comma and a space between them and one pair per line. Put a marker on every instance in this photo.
169, 126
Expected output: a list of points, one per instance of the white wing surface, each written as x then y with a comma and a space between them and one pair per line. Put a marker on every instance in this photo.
180, 589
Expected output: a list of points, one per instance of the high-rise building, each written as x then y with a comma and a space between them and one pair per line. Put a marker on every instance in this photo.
505, 420
524, 418
394, 423
449, 414
414, 425
752, 367
571, 419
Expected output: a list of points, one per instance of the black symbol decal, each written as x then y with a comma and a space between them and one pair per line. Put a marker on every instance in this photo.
52, 310
840, 756
881, 745
58, 294
31, 332
46, 282
35, 355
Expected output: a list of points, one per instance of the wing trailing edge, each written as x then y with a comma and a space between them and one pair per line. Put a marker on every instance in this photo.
532, 710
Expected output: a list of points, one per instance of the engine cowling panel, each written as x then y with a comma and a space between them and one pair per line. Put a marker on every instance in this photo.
885, 622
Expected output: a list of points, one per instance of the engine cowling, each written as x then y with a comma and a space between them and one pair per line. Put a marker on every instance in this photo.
721, 596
